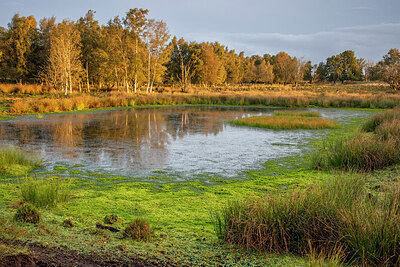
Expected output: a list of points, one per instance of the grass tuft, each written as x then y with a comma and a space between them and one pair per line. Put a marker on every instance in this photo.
363, 152
138, 229
44, 192
27, 213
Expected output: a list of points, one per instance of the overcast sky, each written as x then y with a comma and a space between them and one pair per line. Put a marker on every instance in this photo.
313, 29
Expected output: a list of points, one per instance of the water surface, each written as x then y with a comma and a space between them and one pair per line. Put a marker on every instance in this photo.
184, 142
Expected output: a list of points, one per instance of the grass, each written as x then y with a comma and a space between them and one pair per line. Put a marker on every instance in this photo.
375, 146
286, 122
13, 161
327, 96
335, 215
297, 113
184, 234
44, 192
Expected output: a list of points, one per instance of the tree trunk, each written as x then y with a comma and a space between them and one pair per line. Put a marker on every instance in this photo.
87, 76
136, 48
148, 74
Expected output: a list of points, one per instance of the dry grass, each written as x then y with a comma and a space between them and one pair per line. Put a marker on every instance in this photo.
30, 89
286, 122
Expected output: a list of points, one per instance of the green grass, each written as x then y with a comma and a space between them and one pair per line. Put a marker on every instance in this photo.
14, 161
297, 113
282, 122
44, 192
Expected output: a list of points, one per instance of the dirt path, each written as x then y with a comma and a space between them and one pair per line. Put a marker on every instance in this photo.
61, 256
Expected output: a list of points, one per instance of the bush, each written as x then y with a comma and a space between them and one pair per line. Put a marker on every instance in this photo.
44, 192
138, 229
27, 213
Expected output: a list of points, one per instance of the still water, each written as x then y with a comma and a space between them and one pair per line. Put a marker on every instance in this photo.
178, 141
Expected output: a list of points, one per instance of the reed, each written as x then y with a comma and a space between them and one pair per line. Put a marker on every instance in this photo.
375, 147
337, 217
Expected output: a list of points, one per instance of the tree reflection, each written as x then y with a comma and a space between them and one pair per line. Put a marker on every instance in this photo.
128, 138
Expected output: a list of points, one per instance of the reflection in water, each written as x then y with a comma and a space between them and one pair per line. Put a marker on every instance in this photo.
136, 142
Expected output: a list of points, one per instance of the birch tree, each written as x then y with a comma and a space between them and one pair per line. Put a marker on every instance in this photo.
64, 62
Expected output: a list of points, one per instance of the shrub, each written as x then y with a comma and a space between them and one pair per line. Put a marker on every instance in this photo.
27, 213
138, 229
44, 192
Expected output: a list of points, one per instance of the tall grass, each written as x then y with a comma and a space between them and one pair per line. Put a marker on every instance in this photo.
11, 156
374, 148
44, 192
286, 122
334, 216
243, 98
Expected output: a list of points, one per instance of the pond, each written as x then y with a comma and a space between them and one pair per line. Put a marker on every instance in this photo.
180, 142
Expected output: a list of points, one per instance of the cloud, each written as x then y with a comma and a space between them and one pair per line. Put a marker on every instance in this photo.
360, 9
370, 42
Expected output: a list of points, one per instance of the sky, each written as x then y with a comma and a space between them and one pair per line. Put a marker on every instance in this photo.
309, 29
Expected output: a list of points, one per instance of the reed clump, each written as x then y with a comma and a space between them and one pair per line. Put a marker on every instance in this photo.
44, 192
375, 147
338, 215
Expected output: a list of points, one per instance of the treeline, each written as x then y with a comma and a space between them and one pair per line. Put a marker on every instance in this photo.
135, 52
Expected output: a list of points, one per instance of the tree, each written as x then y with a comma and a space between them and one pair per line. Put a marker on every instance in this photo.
343, 67
211, 64
135, 21
90, 34
64, 67
18, 46
285, 68
390, 66
185, 58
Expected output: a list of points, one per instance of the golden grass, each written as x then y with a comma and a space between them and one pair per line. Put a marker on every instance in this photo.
297, 113
287, 122
349, 96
